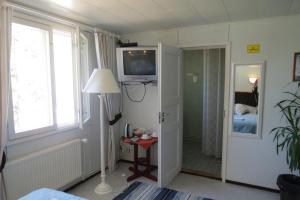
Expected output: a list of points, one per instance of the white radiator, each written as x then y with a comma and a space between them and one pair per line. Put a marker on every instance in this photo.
53, 168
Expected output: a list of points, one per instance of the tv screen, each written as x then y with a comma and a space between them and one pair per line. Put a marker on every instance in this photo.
139, 62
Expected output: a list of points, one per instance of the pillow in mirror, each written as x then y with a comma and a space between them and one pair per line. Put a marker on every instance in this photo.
251, 109
240, 109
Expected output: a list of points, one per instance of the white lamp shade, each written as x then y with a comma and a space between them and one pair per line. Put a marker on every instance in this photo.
101, 81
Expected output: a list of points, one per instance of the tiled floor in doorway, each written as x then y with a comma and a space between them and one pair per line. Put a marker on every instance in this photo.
195, 161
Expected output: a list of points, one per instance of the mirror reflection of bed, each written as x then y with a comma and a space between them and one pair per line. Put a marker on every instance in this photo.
245, 116
246, 99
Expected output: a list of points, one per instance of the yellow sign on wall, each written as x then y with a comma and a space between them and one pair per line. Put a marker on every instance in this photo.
253, 48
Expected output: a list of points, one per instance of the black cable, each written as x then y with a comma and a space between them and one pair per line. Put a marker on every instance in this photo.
4, 194
134, 100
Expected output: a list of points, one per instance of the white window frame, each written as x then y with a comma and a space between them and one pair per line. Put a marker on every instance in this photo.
85, 75
49, 26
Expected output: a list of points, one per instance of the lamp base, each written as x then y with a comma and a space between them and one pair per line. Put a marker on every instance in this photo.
103, 188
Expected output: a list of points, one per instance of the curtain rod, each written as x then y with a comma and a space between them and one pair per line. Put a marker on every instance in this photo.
106, 32
69, 22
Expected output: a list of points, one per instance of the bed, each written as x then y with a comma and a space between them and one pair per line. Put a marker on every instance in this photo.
49, 194
245, 123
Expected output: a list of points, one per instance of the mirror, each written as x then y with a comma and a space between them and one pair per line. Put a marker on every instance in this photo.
247, 99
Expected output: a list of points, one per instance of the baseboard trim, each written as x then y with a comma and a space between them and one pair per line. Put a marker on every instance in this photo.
97, 173
253, 186
202, 174
82, 181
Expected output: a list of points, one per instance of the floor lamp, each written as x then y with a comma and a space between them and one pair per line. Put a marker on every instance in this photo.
102, 82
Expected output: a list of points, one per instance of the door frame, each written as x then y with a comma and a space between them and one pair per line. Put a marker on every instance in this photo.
227, 46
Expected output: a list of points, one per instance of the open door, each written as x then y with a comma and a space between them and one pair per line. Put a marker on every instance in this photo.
170, 113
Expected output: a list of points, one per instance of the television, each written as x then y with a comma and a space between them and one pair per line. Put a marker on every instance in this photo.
138, 64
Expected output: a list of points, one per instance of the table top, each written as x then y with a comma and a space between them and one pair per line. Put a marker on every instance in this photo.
144, 143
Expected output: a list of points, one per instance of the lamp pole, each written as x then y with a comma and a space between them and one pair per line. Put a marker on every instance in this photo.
103, 187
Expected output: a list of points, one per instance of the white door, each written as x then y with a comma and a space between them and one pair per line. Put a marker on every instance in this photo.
170, 107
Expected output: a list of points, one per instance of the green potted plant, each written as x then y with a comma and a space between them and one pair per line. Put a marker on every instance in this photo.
287, 138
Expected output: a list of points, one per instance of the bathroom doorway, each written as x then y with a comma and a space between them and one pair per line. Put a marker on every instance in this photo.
203, 101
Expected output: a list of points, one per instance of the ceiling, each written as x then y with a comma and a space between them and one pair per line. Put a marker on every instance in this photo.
125, 16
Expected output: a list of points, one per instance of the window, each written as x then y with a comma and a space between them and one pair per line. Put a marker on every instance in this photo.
43, 78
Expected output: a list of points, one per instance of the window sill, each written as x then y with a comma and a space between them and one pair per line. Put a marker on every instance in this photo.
21, 139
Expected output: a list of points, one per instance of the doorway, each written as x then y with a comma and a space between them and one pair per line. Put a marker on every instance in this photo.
203, 101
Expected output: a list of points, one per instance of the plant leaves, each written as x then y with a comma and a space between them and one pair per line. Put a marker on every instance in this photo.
288, 136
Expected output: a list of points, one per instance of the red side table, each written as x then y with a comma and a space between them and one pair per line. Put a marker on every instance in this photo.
146, 144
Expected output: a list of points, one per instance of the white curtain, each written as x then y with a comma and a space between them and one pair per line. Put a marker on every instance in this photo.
106, 58
213, 100
5, 38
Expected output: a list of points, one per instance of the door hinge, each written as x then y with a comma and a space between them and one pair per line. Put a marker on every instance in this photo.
161, 117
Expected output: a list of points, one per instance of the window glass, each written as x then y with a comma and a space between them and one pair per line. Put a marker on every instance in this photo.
30, 78
63, 67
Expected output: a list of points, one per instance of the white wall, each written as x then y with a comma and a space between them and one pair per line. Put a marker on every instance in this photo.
255, 161
252, 161
140, 115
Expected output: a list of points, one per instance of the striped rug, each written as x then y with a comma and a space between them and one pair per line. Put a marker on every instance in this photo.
146, 191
